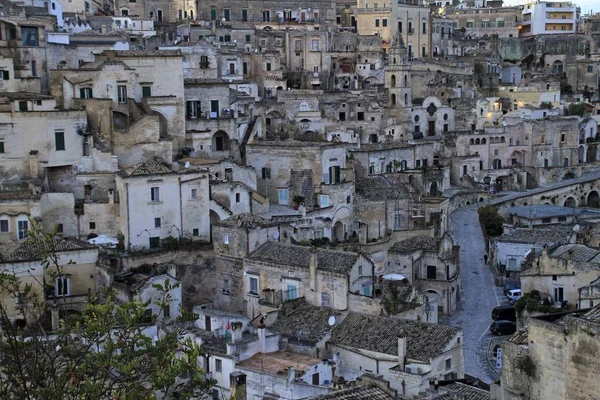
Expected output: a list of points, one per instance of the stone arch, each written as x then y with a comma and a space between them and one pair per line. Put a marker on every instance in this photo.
471, 141
220, 141
502, 139
433, 189
435, 297
557, 67
581, 154
393, 80
483, 141
120, 121
338, 232
570, 202
593, 199
477, 141
162, 124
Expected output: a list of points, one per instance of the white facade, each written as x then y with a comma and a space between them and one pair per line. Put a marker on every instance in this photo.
545, 18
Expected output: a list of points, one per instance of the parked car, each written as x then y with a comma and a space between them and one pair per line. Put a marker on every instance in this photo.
503, 328
514, 294
506, 313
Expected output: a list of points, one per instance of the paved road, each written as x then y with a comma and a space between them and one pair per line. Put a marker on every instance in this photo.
479, 294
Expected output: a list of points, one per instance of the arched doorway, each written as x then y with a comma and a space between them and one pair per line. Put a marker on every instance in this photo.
570, 202
581, 154
214, 218
557, 67
593, 199
162, 124
220, 141
338, 232
435, 303
433, 189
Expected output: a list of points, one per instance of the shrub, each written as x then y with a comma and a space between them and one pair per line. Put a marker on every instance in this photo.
491, 220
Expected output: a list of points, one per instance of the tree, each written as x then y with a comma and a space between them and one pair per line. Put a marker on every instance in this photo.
491, 220
102, 353
576, 109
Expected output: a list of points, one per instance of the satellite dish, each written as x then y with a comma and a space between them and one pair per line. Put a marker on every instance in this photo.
331, 321
187, 164
276, 235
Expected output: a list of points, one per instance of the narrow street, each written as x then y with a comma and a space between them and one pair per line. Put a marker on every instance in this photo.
479, 294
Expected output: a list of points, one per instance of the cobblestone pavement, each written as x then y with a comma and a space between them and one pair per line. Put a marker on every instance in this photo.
479, 295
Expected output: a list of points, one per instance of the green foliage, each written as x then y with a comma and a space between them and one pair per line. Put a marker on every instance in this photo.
169, 243
531, 303
298, 199
491, 220
546, 105
121, 238
102, 352
576, 109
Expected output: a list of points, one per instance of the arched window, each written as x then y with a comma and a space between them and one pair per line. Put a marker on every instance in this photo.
477, 141
405, 80
471, 141
393, 99
502, 139
393, 80
405, 99
483, 141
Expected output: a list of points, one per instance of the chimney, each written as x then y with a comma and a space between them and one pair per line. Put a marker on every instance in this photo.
33, 164
237, 382
236, 331
291, 374
402, 348
262, 338
313, 268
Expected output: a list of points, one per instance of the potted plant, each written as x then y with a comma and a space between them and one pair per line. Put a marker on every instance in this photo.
297, 201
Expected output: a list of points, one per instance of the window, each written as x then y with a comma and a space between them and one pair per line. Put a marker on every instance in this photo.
431, 272
360, 116
342, 116
266, 16
253, 284
500, 24
315, 45
245, 68
227, 14
348, 199
33, 68
29, 35
562, 219
360, 270
59, 228
62, 286
292, 292
590, 68
546, 220
218, 365
122, 94
92, 226
155, 194
194, 193
268, 66
3, 225
203, 62
22, 106
554, 277
146, 91
226, 286
469, 24
324, 299
424, 27
86, 93
237, 197
59, 141
2, 147
196, 232
377, 23
298, 45
384, 22
166, 311
226, 238
266, 173
154, 242
4, 75
193, 109
283, 196
23, 227
449, 363
324, 200
244, 15
157, 222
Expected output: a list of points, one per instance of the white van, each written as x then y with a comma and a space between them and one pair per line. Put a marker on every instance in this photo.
514, 294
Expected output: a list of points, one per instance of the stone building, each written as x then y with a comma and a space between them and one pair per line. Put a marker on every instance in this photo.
17, 208
486, 22
157, 201
559, 272
407, 353
554, 358
433, 266
69, 291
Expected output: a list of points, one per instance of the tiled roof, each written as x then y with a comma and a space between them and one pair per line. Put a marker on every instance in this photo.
383, 146
301, 321
469, 392
378, 188
278, 362
148, 167
593, 315
246, 221
24, 96
416, 243
15, 194
519, 337
144, 53
357, 393
578, 252
299, 256
379, 334
28, 249
555, 234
